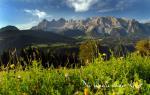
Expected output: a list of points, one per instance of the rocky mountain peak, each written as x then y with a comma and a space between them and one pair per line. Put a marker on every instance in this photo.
96, 25
44, 22
61, 20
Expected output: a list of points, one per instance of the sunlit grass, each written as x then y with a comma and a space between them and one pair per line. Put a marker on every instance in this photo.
118, 76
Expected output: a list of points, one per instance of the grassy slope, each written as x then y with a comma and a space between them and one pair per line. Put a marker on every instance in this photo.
130, 72
23, 38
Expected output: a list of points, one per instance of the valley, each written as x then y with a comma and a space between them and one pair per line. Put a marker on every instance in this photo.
80, 55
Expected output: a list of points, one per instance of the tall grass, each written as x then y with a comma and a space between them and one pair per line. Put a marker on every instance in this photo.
119, 76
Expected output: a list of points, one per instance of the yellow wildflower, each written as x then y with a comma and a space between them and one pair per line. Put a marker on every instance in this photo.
121, 58
104, 54
113, 93
19, 77
12, 66
137, 85
76, 93
86, 91
24, 94
66, 75
98, 86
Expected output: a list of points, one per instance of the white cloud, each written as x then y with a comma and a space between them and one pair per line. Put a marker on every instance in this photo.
81, 5
104, 6
38, 13
28, 1
106, 10
144, 20
27, 25
122, 4
101, 5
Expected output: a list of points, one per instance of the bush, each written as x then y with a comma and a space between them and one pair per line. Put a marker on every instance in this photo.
88, 51
143, 46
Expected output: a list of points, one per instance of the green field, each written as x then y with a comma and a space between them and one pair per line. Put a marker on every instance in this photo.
118, 76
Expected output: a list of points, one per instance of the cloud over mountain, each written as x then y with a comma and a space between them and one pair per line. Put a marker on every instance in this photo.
99, 5
35, 10
38, 13
81, 5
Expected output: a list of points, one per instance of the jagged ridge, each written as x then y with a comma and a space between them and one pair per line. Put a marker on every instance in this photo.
94, 26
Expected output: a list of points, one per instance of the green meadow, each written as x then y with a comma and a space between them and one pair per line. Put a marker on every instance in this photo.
128, 75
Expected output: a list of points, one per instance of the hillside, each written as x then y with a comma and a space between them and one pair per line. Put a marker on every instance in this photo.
21, 38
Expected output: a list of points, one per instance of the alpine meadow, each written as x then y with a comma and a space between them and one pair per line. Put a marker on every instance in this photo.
74, 47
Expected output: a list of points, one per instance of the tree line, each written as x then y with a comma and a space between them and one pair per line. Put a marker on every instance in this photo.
70, 57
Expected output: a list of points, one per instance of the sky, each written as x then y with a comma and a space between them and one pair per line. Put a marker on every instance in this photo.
26, 13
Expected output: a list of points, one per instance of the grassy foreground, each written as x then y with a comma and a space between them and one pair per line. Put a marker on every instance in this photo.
118, 76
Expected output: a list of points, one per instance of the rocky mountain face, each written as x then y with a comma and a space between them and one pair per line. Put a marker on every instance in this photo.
94, 26
50, 25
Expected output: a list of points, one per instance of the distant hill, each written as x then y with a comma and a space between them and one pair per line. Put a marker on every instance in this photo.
9, 28
148, 24
94, 27
64, 31
16, 38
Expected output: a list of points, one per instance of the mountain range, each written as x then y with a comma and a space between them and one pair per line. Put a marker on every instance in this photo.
95, 27
69, 31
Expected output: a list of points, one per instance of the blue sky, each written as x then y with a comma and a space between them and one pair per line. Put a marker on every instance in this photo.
26, 13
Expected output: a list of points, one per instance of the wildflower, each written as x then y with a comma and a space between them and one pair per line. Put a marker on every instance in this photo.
12, 66
114, 93
106, 82
66, 75
19, 77
24, 94
104, 54
137, 85
121, 58
84, 82
97, 86
34, 62
86, 91
76, 93
138, 52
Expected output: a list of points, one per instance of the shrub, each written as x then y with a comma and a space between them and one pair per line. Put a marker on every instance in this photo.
143, 46
88, 51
